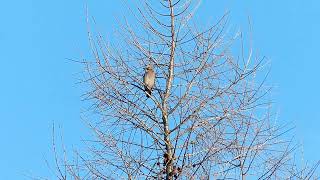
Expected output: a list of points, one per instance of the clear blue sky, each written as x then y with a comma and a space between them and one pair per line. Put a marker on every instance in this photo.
38, 83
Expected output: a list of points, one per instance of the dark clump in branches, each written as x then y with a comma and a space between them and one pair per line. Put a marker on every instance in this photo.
209, 115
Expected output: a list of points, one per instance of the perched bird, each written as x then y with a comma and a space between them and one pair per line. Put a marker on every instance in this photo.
148, 80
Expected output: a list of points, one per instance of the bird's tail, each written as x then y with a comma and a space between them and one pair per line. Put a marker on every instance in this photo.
148, 93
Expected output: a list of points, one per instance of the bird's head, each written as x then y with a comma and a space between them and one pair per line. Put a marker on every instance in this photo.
149, 67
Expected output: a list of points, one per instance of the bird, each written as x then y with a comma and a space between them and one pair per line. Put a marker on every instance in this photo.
148, 80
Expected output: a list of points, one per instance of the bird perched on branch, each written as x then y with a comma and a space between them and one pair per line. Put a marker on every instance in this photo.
148, 80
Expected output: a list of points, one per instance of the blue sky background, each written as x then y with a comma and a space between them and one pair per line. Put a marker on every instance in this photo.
38, 83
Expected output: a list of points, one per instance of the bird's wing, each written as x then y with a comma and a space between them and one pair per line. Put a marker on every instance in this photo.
149, 78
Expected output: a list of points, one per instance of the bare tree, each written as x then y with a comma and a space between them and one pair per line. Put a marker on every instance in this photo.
209, 115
